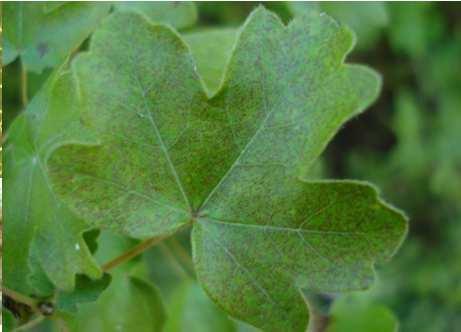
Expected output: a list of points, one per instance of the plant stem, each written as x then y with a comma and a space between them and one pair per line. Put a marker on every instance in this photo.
21, 298
318, 322
30, 324
319, 310
133, 252
24, 97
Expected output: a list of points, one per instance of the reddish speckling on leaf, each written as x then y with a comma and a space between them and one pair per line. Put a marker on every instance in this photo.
231, 162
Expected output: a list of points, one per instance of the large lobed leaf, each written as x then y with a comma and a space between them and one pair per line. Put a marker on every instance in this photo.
37, 250
44, 238
167, 155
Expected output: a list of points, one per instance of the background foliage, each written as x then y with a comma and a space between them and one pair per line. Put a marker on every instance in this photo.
407, 143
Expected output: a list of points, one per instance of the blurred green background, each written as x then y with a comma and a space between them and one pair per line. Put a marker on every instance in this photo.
408, 143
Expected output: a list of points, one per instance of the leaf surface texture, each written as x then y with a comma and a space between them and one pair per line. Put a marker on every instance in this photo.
168, 155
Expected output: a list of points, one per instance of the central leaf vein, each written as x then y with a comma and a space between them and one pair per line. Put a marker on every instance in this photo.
236, 163
163, 146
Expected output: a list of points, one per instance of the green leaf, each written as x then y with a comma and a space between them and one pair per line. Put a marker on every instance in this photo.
170, 156
192, 311
174, 263
86, 290
91, 239
414, 28
331, 248
43, 36
438, 73
112, 245
410, 154
224, 13
50, 6
44, 236
178, 14
367, 19
349, 315
130, 303
425, 154
446, 180
8, 321
211, 50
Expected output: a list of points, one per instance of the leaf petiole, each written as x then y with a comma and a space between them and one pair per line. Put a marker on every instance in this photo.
30, 324
318, 322
319, 310
133, 252
21, 298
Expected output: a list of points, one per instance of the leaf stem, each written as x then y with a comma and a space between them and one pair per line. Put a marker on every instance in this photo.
133, 252
318, 322
30, 324
24, 97
21, 298
319, 310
